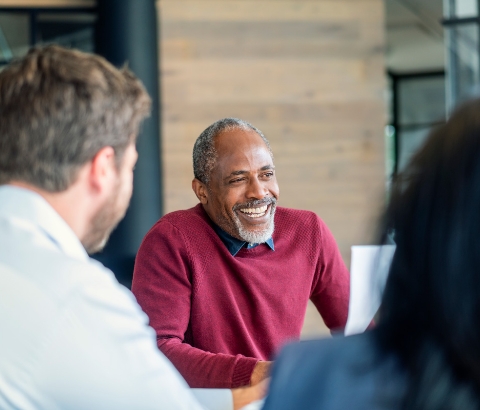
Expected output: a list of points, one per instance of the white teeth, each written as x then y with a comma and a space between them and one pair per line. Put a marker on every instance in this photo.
255, 212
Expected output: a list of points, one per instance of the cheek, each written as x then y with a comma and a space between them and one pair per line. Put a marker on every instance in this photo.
130, 180
273, 188
230, 200
127, 185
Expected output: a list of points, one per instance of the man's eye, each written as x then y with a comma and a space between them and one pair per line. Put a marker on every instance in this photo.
268, 174
233, 181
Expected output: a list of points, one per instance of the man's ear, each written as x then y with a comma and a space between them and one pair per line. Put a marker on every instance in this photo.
200, 190
102, 168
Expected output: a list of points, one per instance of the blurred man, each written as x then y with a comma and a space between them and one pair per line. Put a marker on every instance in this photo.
71, 336
227, 282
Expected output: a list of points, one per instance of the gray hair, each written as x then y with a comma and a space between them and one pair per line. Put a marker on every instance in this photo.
204, 153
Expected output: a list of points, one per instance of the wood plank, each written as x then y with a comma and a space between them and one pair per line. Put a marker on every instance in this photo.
372, 111
299, 82
180, 48
267, 10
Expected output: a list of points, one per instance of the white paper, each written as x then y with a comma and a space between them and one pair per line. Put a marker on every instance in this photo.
368, 273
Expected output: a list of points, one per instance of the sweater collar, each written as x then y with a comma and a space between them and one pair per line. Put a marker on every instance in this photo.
234, 245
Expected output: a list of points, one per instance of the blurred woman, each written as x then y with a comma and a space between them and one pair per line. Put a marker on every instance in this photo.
425, 351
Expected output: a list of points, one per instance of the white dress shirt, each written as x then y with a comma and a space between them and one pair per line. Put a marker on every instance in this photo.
71, 337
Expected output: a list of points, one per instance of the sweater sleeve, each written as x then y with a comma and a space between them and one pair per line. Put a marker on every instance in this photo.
163, 288
331, 287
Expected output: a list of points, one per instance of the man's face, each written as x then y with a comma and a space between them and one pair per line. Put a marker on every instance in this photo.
113, 211
243, 190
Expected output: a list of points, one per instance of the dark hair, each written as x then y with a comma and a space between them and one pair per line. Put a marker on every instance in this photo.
58, 108
430, 314
204, 153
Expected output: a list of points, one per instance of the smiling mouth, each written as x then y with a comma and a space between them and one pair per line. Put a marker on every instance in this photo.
255, 212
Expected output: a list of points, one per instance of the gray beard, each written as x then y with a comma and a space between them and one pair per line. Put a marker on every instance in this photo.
256, 237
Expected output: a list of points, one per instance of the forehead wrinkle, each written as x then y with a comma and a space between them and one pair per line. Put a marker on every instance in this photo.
243, 171
251, 169
239, 172
250, 156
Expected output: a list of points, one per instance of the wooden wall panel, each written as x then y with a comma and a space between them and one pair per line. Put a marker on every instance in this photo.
309, 74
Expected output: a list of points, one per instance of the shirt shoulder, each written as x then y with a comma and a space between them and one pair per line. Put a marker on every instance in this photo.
297, 216
184, 229
298, 223
183, 220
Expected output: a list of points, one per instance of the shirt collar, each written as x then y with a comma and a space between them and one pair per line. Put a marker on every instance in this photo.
32, 210
234, 245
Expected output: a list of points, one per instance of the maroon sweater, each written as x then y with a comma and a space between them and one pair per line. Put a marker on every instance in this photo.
215, 314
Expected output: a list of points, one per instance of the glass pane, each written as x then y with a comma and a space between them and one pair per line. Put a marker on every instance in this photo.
466, 8
460, 8
14, 35
421, 105
74, 30
421, 100
463, 64
409, 142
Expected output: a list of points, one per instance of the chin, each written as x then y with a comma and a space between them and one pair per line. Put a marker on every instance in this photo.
259, 236
97, 245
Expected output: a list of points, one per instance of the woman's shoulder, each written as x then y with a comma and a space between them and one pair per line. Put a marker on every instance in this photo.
336, 373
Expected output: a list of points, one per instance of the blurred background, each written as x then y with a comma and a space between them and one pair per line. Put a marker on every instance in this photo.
345, 90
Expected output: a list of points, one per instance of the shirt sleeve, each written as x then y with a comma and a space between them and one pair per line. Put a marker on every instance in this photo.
163, 288
331, 288
102, 354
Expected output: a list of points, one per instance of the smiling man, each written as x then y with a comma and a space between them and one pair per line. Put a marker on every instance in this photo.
227, 282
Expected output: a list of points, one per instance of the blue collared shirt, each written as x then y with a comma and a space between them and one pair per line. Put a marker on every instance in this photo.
234, 245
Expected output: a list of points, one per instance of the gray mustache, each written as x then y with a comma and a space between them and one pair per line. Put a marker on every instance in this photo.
256, 204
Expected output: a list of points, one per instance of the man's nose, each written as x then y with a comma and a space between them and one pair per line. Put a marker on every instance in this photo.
256, 189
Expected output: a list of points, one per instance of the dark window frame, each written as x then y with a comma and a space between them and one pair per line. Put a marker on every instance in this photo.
33, 13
